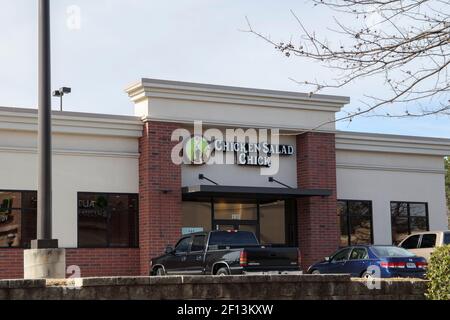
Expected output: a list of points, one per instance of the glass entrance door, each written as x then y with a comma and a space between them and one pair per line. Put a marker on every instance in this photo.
236, 214
272, 221
236, 210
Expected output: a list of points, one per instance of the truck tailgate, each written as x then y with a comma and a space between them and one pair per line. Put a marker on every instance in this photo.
271, 257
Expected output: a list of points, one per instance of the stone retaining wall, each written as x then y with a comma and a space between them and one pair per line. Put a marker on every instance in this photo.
288, 287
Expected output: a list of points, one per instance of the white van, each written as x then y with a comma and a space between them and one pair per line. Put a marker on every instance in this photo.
424, 243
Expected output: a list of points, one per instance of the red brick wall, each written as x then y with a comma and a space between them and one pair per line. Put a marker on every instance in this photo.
11, 263
92, 262
159, 192
318, 224
104, 262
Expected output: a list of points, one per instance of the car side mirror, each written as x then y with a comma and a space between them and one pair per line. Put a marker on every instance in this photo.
169, 250
327, 259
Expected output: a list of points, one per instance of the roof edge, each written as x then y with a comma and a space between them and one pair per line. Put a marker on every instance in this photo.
137, 87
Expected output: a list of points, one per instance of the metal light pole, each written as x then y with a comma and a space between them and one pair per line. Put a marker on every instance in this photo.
44, 221
44, 260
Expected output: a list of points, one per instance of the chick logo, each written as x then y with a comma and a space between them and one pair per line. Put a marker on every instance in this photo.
197, 150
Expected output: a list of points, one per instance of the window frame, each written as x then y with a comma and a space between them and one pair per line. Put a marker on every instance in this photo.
419, 246
349, 237
357, 248
190, 239
349, 249
21, 209
408, 216
136, 231
204, 243
444, 235
419, 241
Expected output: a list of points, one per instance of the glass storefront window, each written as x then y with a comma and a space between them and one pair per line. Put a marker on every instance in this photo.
399, 221
235, 211
360, 215
10, 200
122, 234
273, 223
360, 229
120, 202
17, 218
196, 216
342, 213
356, 222
10, 228
107, 220
406, 218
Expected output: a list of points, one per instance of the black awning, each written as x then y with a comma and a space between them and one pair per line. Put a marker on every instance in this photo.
208, 191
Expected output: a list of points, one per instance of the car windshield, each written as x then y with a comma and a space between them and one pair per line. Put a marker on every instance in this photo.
446, 237
391, 251
225, 238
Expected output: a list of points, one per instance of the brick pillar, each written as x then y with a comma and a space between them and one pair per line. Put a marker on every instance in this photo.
318, 224
159, 192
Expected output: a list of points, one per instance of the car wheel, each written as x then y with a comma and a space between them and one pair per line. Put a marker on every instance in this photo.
315, 272
222, 272
160, 272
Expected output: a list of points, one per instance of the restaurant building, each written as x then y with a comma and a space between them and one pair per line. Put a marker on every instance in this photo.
119, 198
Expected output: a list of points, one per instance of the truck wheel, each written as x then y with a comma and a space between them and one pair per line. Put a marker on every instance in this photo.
222, 272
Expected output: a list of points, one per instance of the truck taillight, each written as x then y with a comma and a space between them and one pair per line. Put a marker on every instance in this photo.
243, 259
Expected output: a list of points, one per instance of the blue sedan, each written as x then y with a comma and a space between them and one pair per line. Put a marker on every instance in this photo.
376, 261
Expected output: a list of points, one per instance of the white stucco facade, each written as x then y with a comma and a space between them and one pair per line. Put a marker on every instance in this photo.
92, 153
388, 168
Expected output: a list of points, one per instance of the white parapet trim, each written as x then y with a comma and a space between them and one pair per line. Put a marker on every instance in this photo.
68, 152
20, 119
184, 102
355, 141
352, 166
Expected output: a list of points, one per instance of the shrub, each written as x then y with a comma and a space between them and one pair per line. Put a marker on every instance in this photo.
439, 274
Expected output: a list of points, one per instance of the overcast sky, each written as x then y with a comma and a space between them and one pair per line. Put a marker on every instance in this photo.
121, 41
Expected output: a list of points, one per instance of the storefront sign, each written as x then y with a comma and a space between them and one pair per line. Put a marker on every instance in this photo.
218, 146
249, 154
254, 154
264, 147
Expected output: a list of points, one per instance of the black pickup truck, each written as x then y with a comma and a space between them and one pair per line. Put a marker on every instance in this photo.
224, 253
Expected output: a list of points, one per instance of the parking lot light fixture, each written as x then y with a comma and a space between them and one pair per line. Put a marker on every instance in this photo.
60, 94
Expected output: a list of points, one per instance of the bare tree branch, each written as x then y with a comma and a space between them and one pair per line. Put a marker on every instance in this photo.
407, 42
